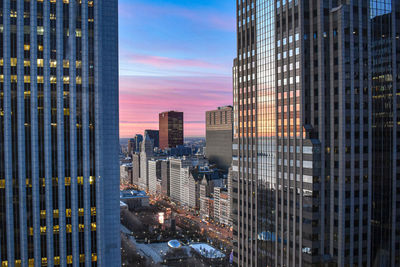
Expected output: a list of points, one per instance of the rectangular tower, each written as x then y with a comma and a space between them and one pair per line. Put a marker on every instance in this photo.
219, 125
170, 129
165, 180
315, 133
154, 135
59, 171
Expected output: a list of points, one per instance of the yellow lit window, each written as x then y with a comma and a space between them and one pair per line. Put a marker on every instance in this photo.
13, 61
40, 31
53, 63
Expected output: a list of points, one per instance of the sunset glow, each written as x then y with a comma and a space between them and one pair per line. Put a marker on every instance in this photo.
174, 55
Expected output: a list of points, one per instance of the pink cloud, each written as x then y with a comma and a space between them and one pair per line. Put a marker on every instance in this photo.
168, 62
142, 98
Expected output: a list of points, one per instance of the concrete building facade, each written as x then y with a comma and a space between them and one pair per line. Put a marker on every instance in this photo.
219, 136
135, 168
146, 153
154, 173
165, 178
179, 177
126, 173
222, 207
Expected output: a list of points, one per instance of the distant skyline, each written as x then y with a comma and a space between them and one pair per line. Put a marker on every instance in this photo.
174, 55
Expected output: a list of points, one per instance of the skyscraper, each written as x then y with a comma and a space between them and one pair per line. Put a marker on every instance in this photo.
171, 129
315, 133
219, 134
146, 152
154, 174
59, 171
154, 135
165, 181
138, 141
131, 146
136, 168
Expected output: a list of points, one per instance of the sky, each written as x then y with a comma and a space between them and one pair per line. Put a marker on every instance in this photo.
174, 55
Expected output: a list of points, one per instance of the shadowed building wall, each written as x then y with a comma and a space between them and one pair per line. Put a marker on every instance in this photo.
219, 126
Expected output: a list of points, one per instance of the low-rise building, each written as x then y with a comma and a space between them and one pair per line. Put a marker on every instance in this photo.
134, 198
222, 205
209, 179
126, 173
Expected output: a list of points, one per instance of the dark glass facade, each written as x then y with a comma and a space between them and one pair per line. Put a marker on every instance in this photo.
385, 51
52, 128
154, 135
315, 133
138, 140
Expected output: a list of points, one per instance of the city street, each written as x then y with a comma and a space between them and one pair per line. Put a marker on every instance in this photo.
213, 231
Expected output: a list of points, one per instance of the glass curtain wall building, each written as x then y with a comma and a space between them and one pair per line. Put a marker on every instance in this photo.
59, 171
315, 133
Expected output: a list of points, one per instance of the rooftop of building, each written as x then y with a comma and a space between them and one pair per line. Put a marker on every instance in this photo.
128, 194
207, 251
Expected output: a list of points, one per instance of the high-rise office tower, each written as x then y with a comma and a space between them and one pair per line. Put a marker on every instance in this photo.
154, 135
59, 171
131, 146
219, 126
315, 133
146, 152
170, 129
154, 174
176, 165
138, 141
165, 181
136, 168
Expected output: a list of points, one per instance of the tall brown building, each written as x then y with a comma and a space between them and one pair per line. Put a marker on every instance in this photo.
171, 129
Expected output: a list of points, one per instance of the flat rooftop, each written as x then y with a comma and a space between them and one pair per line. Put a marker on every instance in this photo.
207, 251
